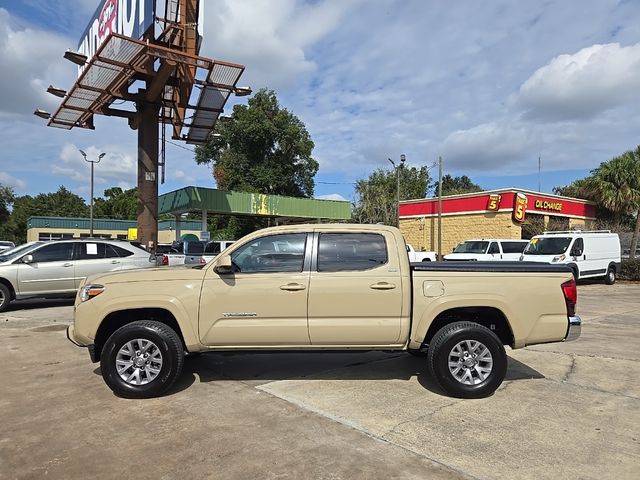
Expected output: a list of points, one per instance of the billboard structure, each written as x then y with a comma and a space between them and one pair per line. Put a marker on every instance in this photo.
152, 79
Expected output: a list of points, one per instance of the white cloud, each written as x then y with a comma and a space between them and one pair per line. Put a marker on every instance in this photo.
9, 181
117, 167
583, 84
31, 59
270, 37
332, 196
486, 146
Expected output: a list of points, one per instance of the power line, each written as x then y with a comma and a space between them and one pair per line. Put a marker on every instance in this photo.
337, 183
180, 146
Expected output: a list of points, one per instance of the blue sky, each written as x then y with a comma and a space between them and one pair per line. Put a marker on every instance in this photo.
489, 86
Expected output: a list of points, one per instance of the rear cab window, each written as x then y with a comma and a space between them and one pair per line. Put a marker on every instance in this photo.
339, 252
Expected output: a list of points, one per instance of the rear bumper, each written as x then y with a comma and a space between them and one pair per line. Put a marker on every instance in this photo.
574, 329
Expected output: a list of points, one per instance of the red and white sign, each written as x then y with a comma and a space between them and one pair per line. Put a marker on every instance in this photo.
479, 202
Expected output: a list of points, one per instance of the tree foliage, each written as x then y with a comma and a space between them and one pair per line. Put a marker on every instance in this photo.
615, 186
61, 203
7, 198
376, 196
262, 148
457, 185
117, 203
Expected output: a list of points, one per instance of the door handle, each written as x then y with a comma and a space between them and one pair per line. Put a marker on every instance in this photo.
382, 286
67, 264
292, 287
115, 261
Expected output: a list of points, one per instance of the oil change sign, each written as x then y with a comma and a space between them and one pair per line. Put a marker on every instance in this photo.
130, 18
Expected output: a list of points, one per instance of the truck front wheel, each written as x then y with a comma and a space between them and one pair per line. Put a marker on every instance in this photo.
142, 359
467, 360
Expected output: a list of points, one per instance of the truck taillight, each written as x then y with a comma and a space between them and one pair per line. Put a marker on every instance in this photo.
165, 260
570, 292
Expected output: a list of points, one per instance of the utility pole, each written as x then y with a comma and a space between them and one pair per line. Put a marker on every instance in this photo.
403, 158
92, 162
539, 187
439, 208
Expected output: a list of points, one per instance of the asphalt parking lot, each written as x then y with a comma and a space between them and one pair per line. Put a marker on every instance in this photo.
569, 410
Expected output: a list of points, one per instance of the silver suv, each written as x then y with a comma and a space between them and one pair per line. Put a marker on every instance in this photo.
58, 268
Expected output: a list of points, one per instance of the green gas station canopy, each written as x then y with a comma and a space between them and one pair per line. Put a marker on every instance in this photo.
197, 199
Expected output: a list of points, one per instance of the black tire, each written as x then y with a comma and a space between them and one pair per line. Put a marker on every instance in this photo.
610, 277
5, 297
441, 350
166, 342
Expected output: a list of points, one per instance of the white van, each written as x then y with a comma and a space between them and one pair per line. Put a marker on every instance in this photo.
488, 250
589, 253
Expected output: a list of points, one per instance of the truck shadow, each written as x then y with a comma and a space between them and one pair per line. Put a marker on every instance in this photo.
33, 303
260, 368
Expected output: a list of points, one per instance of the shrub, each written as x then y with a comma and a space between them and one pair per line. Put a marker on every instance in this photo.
630, 269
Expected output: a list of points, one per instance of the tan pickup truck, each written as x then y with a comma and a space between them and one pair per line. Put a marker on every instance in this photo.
323, 287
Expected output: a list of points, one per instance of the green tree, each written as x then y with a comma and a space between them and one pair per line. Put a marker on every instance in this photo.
262, 148
376, 196
61, 203
580, 188
616, 185
457, 185
117, 203
6, 200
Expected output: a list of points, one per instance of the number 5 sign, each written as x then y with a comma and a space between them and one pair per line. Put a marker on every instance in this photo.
494, 202
519, 207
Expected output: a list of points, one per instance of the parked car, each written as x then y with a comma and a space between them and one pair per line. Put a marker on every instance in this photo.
489, 250
589, 253
323, 287
420, 256
6, 245
213, 248
57, 268
185, 252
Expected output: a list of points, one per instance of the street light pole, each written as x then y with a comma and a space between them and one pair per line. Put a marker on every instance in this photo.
92, 162
403, 158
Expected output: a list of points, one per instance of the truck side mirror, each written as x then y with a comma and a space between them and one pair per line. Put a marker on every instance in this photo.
27, 259
224, 266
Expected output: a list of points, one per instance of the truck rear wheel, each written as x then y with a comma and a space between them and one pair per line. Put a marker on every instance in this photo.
142, 359
467, 360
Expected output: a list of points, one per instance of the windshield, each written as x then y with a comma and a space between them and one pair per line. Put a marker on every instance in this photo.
471, 246
547, 246
13, 253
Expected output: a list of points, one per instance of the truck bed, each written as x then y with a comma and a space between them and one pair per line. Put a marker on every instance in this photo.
505, 267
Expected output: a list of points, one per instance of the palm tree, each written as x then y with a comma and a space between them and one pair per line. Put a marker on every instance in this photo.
616, 184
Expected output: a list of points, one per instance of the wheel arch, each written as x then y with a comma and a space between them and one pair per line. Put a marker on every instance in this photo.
490, 317
9, 285
117, 319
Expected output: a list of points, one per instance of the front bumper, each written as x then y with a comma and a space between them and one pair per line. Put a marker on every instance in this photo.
91, 347
574, 329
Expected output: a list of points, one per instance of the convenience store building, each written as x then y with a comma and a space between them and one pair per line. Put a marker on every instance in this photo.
507, 213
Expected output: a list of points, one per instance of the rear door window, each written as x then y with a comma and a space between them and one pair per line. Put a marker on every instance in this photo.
90, 250
351, 251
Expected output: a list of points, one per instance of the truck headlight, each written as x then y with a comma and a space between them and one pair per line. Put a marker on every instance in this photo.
558, 258
90, 291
